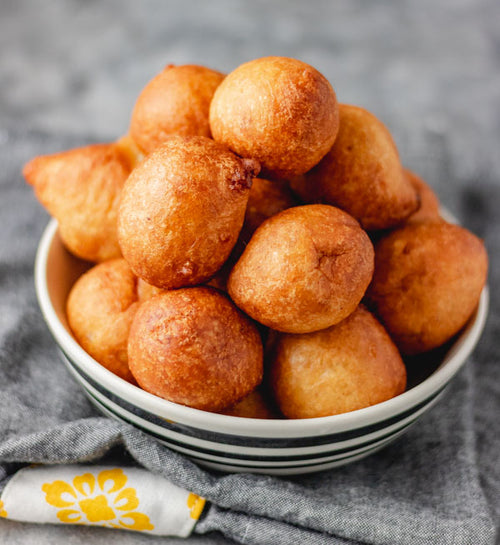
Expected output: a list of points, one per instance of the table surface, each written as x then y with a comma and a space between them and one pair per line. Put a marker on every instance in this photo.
422, 67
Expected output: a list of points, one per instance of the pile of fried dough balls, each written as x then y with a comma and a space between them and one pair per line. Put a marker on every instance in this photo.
231, 232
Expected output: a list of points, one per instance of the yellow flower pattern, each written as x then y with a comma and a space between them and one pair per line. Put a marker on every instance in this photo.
104, 501
3, 512
196, 505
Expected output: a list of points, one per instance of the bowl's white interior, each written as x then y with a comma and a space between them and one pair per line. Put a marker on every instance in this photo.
55, 272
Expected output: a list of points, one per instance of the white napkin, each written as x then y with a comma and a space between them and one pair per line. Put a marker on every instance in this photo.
115, 497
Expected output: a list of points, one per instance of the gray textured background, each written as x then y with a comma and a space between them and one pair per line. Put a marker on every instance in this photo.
426, 68
429, 69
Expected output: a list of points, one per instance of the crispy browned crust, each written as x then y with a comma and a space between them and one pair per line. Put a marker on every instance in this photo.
348, 366
277, 110
429, 202
100, 309
81, 188
304, 269
427, 282
192, 346
361, 173
182, 210
176, 101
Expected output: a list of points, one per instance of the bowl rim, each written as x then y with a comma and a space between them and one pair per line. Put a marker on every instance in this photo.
253, 427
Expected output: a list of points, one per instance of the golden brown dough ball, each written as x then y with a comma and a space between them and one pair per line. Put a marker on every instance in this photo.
427, 282
219, 280
176, 101
266, 199
304, 269
429, 202
304, 189
100, 309
81, 188
254, 405
182, 209
129, 148
277, 110
349, 366
194, 347
361, 173
146, 291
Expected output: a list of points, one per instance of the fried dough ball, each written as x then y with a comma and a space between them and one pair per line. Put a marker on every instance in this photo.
349, 366
277, 110
429, 202
81, 188
254, 405
361, 173
194, 347
182, 209
100, 309
129, 148
219, 280
146, 291
304, 269
306, 191
427, 282
176, 101
266, 199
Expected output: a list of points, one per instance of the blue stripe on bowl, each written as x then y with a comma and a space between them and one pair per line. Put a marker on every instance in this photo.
243, 441
320, 460
257, 461
307, 464
242, 456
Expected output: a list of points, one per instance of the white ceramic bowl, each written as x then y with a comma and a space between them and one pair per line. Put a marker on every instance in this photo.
231, 443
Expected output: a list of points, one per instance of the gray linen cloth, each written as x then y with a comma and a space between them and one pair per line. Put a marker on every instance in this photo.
439, 483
